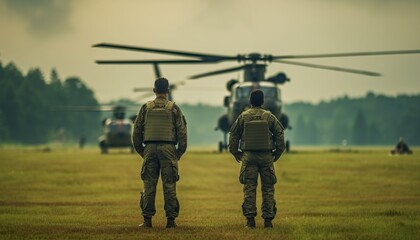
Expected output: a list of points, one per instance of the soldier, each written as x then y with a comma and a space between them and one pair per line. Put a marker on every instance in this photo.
158, 128
401, 148
261, 140
82, 142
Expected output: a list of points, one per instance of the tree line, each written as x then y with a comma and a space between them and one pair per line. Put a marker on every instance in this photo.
32, 109
369, 120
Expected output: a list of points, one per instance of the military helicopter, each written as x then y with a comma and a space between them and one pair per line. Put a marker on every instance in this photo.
254, 67
116, 129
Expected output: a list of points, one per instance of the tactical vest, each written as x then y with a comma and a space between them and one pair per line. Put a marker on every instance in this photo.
256, 134
159, 124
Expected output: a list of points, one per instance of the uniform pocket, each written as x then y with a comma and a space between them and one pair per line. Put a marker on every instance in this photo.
143, 171
273, 175
175, 174
268, 176
242, 177
170, 172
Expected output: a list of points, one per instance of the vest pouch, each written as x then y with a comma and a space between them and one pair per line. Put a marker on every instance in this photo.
256, 136
159, 125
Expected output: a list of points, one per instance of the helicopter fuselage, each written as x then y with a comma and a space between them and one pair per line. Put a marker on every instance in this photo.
239, 99
117, 134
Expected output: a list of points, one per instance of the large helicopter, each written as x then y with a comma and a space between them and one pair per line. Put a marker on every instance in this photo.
254, 67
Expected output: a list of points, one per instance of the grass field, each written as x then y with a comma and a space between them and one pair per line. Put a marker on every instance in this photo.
320, 195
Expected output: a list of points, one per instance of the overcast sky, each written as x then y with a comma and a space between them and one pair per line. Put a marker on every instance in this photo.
59, 34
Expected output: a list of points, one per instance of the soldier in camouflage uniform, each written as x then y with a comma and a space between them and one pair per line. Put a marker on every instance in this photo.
158, 128
261, 140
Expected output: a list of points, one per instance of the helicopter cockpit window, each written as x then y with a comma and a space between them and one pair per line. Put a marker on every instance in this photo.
120, 127
244, 92
270, 92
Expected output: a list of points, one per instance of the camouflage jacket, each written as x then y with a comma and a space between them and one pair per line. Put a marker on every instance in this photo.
179, 123
236, 131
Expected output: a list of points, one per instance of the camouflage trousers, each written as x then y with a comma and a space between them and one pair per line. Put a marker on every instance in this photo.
159, 158
254, 163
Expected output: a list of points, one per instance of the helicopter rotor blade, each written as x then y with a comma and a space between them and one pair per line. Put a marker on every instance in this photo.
396, 52
157, 70
175, 85
82, 108
148, 89
143, 89
146, 95
227, 70
201, 56
340, 69
99, 108
179, 83
174, 61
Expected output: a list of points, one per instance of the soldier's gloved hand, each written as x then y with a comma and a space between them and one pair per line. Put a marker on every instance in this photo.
238, 156
276, 155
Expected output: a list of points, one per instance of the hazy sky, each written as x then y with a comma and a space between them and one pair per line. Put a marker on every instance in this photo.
59, 34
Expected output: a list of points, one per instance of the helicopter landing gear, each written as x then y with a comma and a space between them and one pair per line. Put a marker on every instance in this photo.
287, 146
103, 147
222, 147
104, 150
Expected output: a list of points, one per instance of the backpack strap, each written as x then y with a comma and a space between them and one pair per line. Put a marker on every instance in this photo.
151, 104
169, 105
266, 115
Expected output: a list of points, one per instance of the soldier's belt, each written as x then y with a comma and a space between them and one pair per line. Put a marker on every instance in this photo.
257, 151
160, 142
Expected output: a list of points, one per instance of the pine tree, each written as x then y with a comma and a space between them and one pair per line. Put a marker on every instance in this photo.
54, 78
360, 129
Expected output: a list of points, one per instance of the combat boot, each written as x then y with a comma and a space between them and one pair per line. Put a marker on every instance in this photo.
250, 222
171, 223
268, 223
147, 223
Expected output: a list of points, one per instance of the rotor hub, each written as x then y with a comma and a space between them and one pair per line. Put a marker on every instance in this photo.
254, 58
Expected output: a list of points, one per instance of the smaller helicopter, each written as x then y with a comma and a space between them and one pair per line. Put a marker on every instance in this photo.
116, 129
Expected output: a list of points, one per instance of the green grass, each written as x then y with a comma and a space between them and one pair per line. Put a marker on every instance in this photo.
320, 195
